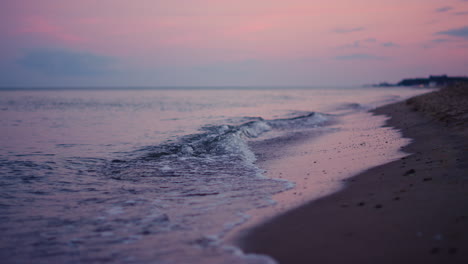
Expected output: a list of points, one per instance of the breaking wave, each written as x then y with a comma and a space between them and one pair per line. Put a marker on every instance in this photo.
215, 149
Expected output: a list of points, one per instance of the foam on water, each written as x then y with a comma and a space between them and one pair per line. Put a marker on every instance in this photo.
217, 147
197, 181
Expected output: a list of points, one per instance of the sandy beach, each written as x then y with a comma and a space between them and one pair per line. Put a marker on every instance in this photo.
412, 210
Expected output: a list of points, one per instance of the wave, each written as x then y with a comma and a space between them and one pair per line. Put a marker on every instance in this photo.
222, 148
232, 140
202, 183
351, 106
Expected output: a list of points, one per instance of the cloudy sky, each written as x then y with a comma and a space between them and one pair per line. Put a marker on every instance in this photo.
226, 42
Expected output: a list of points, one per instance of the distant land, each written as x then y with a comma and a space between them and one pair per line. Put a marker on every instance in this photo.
432, 81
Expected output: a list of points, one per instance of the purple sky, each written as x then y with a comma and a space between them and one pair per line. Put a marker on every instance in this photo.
220, 42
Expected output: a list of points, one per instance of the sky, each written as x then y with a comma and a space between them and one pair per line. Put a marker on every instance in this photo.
229, 43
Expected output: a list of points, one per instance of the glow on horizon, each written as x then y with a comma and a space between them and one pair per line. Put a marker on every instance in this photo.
220, 42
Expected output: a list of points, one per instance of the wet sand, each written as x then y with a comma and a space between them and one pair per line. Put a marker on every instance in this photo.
412, 210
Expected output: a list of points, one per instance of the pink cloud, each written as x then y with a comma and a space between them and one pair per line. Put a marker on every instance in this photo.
46, 29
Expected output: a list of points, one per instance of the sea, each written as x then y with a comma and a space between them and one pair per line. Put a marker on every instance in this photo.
152, 175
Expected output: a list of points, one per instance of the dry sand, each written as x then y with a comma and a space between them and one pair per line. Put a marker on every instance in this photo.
413, 210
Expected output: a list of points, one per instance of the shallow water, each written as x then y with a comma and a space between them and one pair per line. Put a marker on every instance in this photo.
150, 176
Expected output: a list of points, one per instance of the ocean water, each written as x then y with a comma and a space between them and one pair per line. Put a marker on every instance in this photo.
149, 175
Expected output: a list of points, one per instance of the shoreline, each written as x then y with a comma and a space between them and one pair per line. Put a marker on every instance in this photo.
411, 210
321, 163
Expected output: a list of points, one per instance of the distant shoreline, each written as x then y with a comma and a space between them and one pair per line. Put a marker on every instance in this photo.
431, 81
